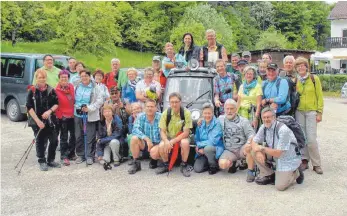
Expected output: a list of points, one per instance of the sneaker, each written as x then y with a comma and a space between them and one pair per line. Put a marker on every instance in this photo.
102, 162
43, 167
90, 161
318, 170
233, 168
66, 162
54, 164
304, 165
107, 166
153, 164
73, 158
162, 169
79, 160
131, 162
136, 166
250, 176
266, 180
116, 163
300, 179
185, 169
212, 170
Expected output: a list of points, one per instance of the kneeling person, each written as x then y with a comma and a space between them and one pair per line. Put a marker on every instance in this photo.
279, 144
238, 134
145, 136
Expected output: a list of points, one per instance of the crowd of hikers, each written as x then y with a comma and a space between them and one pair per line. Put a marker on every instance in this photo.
108, 117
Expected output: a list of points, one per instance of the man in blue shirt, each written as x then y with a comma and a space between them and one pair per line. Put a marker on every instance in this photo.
145, 136
276, 91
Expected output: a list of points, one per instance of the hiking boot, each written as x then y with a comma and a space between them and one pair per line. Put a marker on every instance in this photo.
243, 165
233, 168
318, 170
54, 164
65, 162
116, 163
43, 167
185, 169
212, 170
162, 169
90, 161
107, 166
250, 176
300, 179
79, 160
153, 164
266, 180
131, 162
136, 166
304, 165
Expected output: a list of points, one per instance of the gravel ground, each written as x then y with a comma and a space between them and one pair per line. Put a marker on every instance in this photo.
77, 190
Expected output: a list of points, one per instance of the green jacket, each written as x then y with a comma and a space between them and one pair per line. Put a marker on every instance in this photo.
122, 78
311, 96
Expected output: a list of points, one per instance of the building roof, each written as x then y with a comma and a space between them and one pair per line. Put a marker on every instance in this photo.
339, 11
280, 50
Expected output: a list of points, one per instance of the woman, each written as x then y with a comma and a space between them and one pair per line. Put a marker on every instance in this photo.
136, 108
267, 57
128, 91
75, 79
99, 77
189, 50
108, 138
41, 104
209, 141
88, 100
65, 114
249, 97
171, 58
309, 112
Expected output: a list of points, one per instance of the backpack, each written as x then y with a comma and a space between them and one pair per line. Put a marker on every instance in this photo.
295, 127
168, 117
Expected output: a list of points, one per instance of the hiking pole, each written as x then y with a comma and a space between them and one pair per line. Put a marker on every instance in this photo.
84, 119
26, 153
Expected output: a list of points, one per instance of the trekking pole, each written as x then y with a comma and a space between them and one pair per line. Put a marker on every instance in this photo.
26, 153
84, 119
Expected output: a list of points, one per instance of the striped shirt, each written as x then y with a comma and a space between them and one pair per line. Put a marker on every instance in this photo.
143, 128
220, 84
289, 160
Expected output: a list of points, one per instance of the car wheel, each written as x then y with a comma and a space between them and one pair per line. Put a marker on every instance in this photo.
13, 111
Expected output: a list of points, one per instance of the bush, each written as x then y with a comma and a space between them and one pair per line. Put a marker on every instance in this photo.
332, 82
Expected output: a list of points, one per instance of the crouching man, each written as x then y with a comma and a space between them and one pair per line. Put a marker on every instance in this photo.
145, 136
270, 146
238, 134
175, 125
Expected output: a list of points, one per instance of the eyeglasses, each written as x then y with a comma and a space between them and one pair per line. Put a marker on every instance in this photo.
114, 93
301, 66
174, 102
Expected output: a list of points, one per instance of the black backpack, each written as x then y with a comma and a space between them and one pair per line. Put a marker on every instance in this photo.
295, 127
168, 117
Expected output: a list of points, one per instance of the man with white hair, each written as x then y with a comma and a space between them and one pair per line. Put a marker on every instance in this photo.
288, 68
237, 136
111, 79
275, 144
212, 51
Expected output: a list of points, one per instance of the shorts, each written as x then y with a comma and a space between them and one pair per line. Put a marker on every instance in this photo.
233, 155
146, 145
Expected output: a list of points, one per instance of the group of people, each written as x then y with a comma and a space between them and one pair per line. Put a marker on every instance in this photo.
108, 117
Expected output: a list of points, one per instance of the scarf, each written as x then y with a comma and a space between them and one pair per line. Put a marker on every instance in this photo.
42, 88
248, 87
132, 84
303, 79
65, 89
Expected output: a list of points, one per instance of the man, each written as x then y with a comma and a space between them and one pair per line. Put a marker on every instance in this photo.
275, 143
171, 58
288, 69
238, 134
72, 66
275, 91
234, 68
224, 87
242, 64
262, 67
115, 77
148, 87
246, 55
212, 51
173, 121
51, 70
157, 69
146, 136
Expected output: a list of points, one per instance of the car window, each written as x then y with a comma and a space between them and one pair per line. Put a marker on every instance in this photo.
15, 68
59, 62
3, 67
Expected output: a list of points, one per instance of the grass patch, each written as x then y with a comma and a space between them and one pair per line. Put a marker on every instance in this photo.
127, 57
332, 94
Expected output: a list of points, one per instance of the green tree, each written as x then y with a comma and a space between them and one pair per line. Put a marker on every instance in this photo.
263, 14
11, 20
272, 39
90, 27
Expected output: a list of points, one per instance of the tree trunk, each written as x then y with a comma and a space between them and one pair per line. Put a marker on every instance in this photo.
14, 32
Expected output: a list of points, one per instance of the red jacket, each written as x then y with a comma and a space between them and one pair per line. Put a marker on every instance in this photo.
110, 80
66, 101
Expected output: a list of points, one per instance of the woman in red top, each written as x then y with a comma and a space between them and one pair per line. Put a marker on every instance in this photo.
111, 79
65, 115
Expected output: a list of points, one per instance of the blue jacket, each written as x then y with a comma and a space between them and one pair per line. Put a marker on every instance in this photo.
104, 139
211, 134
280, 95
128, 94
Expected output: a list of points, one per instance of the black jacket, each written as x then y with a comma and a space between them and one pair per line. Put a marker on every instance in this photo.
193, 52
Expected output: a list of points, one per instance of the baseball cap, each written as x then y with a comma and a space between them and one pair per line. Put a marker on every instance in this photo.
114, 89
156, 58
242, 62
272, 66
246, 53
